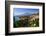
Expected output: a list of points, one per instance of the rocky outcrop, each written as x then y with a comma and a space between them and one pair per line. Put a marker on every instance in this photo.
30, 18
33, 17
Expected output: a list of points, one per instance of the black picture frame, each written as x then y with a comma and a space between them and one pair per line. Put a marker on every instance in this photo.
7, 3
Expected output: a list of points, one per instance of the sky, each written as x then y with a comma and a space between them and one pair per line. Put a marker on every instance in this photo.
20, 11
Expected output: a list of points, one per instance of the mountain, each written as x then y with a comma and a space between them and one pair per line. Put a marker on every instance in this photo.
26, 14
31, 16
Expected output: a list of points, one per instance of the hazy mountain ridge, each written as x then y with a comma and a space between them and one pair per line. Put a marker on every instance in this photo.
27, 14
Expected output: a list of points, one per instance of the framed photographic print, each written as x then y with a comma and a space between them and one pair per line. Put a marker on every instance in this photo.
24, 17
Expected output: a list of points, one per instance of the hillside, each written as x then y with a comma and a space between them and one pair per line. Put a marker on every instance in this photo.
28, 21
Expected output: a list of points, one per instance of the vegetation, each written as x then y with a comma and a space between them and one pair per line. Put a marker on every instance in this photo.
26, 23
34, 23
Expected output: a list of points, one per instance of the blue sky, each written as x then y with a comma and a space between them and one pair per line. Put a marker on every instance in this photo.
20, 11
